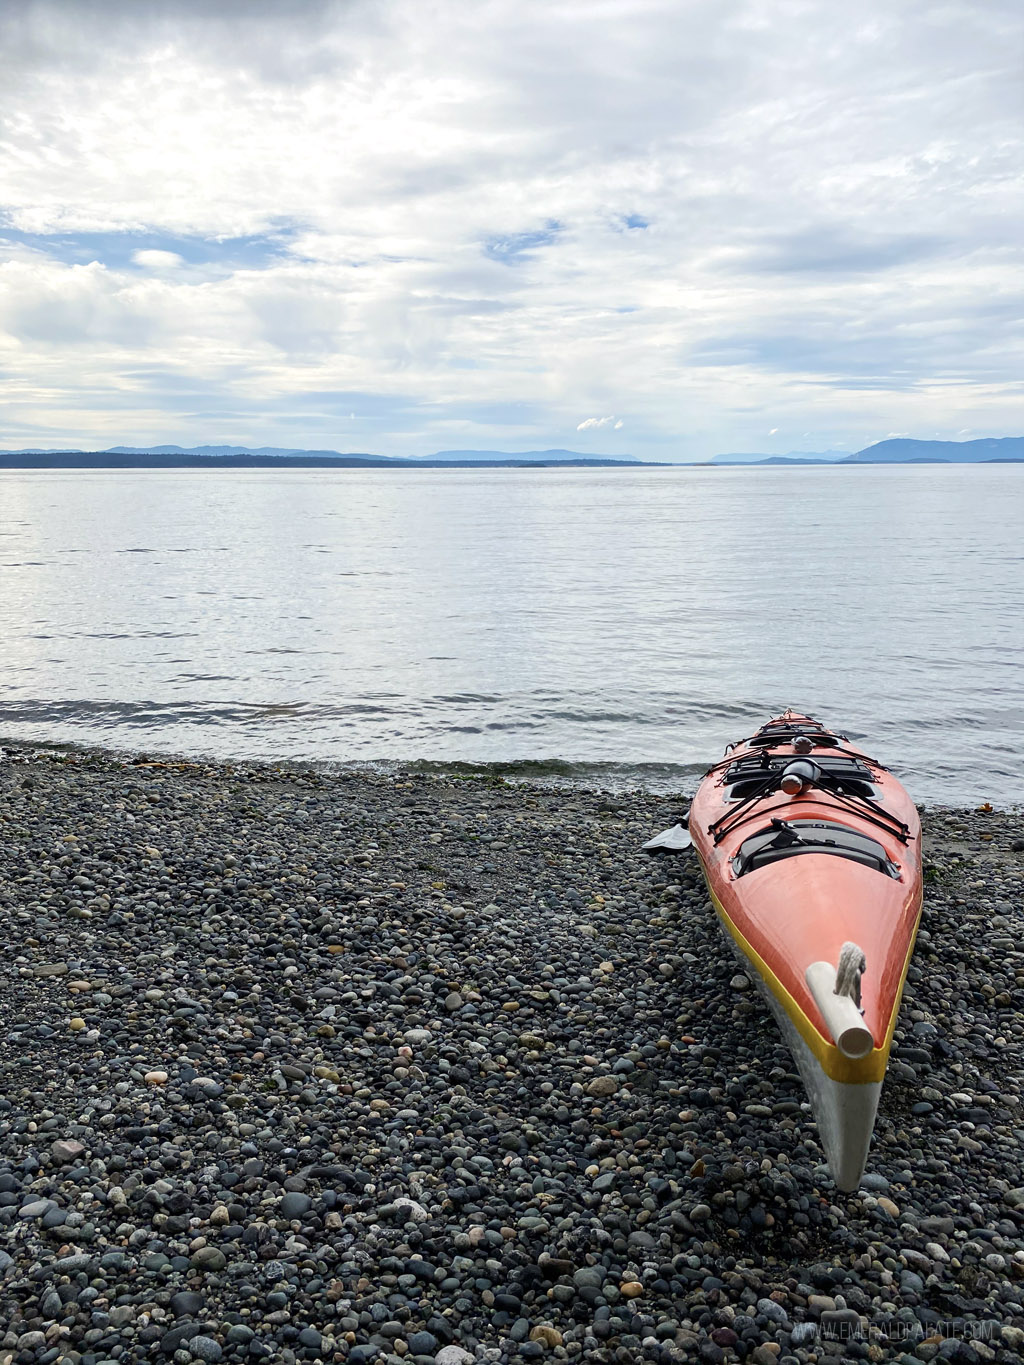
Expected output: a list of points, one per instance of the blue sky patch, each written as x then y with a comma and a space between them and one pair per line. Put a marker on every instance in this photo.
116, 250
518, 245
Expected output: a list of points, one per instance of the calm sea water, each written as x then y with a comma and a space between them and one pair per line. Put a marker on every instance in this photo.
616, 626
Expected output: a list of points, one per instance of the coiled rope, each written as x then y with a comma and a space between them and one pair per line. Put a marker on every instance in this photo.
849, 970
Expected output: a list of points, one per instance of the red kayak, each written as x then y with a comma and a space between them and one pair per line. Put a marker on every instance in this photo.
812, 855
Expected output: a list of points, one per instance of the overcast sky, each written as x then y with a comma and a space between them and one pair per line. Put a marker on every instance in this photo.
664, 227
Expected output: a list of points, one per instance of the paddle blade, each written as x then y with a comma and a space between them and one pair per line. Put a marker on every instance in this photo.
674, 840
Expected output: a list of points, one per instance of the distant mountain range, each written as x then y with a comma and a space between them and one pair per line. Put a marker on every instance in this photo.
244, 457
791, 457
524, 457
218, 452
903, 450
456, 457
900, 450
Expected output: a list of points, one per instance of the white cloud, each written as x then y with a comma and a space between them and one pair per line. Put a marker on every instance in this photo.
154, 259
595, 423
697, 214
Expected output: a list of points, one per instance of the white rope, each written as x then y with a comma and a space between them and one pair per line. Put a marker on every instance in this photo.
849, 970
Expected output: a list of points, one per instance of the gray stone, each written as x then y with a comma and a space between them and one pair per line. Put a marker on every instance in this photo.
422, 1343
71, 1265
294, 1205
874, 1183
843, 1323
588, 1277
67, 1149
602, 1086
205, 1348
186, 1304
36, 1209
209, 1258
773, 1311
51, 1305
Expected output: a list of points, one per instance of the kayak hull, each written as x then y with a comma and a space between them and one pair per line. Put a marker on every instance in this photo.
844, 1111
803, 907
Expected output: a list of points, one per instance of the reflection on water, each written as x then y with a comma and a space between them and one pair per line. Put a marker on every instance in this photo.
637, 618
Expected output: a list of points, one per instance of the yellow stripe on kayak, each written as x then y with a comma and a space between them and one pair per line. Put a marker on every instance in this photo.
829, 1058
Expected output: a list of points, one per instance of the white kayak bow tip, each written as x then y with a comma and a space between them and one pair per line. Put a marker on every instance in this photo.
674, 840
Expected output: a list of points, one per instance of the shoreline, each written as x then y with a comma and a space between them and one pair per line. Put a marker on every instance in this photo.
601, 777
306, 1065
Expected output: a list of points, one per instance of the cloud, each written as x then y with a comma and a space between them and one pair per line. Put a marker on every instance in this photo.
702, 215
834, 250
158, 260
595, 423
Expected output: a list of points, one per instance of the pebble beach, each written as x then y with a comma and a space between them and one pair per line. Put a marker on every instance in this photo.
310, 1066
